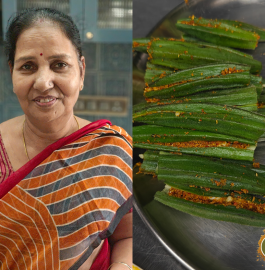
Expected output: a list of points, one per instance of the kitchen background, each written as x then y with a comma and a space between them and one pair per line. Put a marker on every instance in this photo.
106, 31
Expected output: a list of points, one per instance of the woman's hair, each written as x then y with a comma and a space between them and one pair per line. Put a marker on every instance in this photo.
29, 17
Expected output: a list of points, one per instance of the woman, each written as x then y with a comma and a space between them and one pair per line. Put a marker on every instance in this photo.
65, 182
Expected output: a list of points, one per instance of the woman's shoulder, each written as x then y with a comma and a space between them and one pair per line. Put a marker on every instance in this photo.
10, 132
10, 127
109, 138
8, 135
117, 141
113, 131
82, 122
120, 132
107, 129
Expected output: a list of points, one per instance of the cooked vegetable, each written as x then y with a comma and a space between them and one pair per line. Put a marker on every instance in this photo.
205, 117
141, 44
219, 32
213, 211
193, 142
218, 202
203, 166
247, 27
150, 162
154, 72
200, 127
179, 54
244, 98
210, 173
198, 79
199, 73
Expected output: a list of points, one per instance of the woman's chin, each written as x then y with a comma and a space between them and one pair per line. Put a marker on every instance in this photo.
45, 117
45, 113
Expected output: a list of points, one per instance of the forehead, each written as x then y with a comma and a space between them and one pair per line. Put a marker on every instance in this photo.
44, 37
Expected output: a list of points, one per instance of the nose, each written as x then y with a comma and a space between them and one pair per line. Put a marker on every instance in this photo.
43, 80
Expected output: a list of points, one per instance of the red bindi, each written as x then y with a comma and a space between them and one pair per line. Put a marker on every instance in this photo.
41, 54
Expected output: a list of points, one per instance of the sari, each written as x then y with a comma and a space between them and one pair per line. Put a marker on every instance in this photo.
57, 208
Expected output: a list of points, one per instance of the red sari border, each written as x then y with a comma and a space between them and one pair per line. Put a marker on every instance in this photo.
18, 175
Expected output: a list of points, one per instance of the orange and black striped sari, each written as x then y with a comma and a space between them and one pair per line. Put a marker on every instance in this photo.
56, 209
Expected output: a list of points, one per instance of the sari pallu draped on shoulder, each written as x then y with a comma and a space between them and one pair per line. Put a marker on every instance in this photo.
57, 208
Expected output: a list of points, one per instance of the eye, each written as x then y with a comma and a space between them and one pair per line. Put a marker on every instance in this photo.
60, 65
27, 67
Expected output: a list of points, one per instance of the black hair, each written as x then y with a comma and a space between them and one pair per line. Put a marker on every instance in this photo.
28, 17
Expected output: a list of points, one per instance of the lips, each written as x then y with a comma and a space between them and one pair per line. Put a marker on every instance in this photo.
45, 100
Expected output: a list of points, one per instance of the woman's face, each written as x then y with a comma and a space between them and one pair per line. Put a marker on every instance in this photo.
47, 76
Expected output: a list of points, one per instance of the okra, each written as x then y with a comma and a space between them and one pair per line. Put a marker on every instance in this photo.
174, 47
231, 97
198, 79
220, 152
140, 44
218, 32
213, 211
169, 135
255, 169
148, 167
189, 125
193, 142
182, 55
261, 100
192, 87
184, 88
245, 98
211, 192
154, 72
150, 161
257, 81
198, 108
151, 155
206, 172
189, 38
200, 73
211, 196
205, 117
247, 27
261, 110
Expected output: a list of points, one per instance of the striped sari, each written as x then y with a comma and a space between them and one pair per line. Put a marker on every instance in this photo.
56, 209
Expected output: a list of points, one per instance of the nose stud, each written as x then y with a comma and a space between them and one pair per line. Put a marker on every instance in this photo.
50, 83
